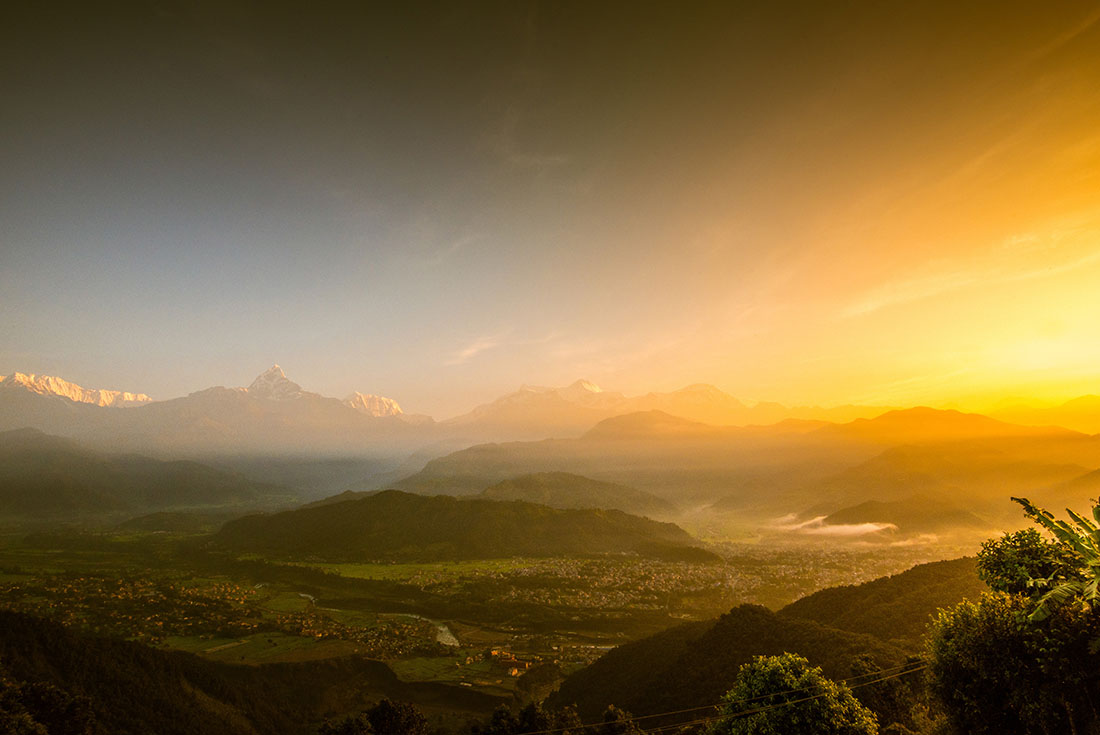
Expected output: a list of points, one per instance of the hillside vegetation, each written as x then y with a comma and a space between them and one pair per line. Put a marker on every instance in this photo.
694, 664
396, 525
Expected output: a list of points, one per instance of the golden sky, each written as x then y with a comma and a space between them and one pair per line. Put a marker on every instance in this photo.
885, 203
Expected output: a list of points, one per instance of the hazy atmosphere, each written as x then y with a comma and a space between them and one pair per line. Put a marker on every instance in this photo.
550, 368
896, 203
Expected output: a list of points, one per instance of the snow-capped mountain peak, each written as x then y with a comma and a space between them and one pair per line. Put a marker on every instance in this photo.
51, 385
373, 405
579, 391
272, 384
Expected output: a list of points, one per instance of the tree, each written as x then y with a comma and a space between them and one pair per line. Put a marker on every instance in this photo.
996, 671
617, 722
1024, 659
1011, 562
351, 725
390, 718
900, 703
1080, 542
775, 695
532, 718
397, 718
40, 707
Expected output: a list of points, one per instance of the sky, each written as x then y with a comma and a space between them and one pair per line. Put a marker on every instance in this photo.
813, 203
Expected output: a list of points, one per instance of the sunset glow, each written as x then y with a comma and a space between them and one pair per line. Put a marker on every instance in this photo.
884, 208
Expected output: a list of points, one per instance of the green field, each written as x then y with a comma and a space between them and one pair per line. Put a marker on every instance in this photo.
479, 674
260, 648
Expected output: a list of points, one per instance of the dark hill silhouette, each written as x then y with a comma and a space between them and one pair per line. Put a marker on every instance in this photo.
135, 690
398, 525
693, 665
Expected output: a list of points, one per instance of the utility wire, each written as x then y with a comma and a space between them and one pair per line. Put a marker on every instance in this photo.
778, 705
900, 669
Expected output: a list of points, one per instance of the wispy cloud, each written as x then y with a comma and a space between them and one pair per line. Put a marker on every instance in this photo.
503, 141
446, 251
1064, 38
1001, 265
488, 342
818, 527
479, 345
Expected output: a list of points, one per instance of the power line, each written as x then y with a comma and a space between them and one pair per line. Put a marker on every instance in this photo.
900, 669
778, 705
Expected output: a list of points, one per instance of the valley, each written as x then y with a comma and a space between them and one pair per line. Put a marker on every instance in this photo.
555, 572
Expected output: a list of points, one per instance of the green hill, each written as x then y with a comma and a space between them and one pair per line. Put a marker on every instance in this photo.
397, 525
566, 490
47, 476
895, 608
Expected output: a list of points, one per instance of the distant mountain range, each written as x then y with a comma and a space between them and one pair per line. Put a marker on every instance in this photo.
535, 412
1080, 414
274, 416
401, 526
695, 448
48, 385
867, 469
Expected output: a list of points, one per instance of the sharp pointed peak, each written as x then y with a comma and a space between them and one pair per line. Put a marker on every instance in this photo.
273, 383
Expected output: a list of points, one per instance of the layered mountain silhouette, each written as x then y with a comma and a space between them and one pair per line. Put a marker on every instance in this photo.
1080, 414
795, 466
535, 412
695, 447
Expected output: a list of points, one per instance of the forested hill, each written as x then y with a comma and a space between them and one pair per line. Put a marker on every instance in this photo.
694, 664
398, 525
895, 608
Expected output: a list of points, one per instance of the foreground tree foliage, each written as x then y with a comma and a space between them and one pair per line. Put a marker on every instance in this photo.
384, 718
998, 672
534, 719
776, 695
40, 708
1023, 659
1079, 542
1010, 563
899, 699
